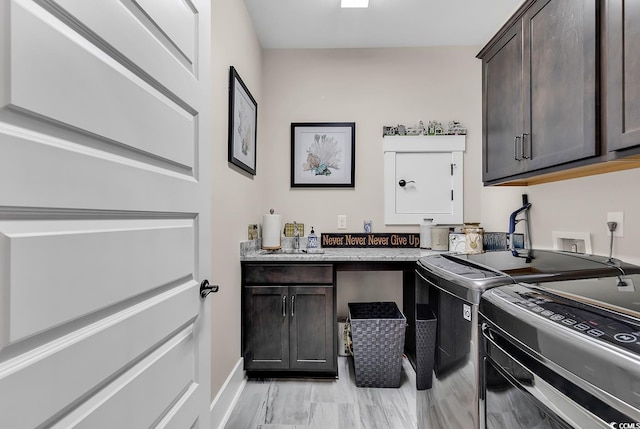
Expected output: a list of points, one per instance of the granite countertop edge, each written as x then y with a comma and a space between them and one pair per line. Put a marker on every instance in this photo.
250, 251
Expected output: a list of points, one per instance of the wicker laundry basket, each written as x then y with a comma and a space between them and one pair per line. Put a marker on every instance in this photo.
426, 325
377, 332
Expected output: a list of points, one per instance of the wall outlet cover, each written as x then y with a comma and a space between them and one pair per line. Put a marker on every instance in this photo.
572, 241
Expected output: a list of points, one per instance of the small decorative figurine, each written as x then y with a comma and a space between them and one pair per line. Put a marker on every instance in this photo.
433, 128
456, 128
389, 131
439, 129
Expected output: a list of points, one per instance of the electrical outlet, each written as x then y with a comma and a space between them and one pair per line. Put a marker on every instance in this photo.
342, 221
617, 217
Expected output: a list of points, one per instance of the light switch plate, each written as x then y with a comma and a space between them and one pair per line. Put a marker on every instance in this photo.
342, 221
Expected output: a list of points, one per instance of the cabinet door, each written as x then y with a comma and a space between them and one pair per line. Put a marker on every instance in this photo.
266, 325
560, 82
502, 105
313, 328
431, 183
623, 68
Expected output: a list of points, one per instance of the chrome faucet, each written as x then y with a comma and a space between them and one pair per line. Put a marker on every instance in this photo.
526, 206
296, 236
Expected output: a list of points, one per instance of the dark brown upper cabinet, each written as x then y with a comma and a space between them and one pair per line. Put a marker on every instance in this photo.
540, 91
622, 59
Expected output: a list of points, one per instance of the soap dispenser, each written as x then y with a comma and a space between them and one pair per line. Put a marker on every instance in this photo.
312, 240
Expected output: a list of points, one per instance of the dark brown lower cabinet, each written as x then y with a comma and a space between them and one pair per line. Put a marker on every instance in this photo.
289, 328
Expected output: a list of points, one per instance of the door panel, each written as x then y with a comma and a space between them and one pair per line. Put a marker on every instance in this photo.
64, 253
432, 174
145, 182
126, 402
623, 67
177, 20
312, 343
46, 369
561, 71
157, 52
631, 67
267, 324
503, 104
85, 86
104, 213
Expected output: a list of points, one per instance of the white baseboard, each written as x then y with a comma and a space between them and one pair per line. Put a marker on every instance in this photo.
228, 396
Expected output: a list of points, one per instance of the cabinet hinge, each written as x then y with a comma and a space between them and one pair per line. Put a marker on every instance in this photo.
452, 165
452, 195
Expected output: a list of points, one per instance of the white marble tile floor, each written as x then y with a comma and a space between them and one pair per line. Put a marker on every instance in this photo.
309, 403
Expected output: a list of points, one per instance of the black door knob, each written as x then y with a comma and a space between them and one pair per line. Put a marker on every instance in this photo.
403, 182
206, 288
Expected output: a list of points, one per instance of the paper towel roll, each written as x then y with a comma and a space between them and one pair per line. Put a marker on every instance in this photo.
271, 228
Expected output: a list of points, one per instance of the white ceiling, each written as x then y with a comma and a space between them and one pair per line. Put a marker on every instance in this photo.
288, 24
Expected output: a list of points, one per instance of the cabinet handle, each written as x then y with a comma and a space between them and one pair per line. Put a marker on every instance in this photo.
293, 305
515, 148
284, 306
524, 144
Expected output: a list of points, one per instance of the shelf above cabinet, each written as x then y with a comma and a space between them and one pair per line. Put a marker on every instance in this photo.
442, 143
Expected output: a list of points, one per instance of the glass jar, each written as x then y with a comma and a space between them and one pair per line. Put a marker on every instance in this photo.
425, 233
473, 238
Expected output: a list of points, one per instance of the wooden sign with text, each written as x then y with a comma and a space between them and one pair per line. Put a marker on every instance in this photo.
378, 240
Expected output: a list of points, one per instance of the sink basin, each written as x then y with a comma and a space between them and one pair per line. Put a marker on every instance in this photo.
289, 252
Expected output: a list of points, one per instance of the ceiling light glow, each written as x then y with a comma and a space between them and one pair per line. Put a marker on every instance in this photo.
354, 3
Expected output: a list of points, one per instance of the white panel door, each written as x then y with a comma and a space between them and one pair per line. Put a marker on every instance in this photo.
423, 178
428, 178
104, 213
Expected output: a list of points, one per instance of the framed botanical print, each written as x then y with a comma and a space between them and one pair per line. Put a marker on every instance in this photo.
243, 119
323, 154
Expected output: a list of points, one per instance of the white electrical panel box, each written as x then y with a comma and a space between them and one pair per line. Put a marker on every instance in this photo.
423, 178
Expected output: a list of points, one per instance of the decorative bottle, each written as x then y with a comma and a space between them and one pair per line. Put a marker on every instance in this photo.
312, 240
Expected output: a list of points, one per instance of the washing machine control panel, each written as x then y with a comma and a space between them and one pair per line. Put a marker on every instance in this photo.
579, 317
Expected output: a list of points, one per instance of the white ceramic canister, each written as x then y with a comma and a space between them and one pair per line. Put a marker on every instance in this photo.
473, 237
440, 237
425, 233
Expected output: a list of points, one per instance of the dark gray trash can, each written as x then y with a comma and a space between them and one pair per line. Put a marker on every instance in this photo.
425, 345
377, 333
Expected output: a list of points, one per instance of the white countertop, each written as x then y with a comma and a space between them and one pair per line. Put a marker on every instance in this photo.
338, 255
